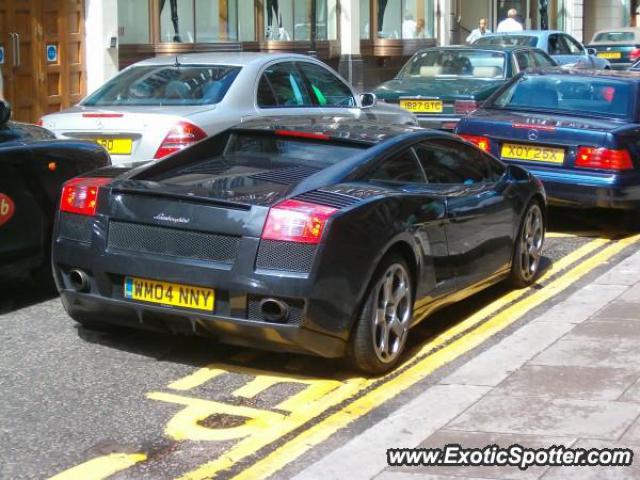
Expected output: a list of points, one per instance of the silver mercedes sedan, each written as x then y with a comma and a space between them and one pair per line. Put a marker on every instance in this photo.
161, 105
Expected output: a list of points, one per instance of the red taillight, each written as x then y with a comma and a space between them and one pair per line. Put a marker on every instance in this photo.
300, 134
634, 54
182, 135
483, 143
40, 123
605, 158
80, 195
296, 221
463, 107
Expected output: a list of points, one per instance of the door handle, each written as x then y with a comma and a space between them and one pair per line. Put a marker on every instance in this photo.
17, 61
13, 48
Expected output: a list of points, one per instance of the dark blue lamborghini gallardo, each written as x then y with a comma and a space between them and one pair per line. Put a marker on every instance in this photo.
325, 236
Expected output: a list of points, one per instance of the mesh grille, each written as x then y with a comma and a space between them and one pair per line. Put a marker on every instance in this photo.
173, 242
330, 199
295, 310
286, 176
75, 227
285, 256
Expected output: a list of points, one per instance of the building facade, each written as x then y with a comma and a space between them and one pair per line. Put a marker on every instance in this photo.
55, 51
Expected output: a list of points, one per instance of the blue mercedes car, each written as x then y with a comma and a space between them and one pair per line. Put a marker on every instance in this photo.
578, 131
564, 49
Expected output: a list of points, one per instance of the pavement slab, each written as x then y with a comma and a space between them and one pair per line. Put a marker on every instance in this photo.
533, 415
560, 381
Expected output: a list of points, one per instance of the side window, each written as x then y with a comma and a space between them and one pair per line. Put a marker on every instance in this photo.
328, 90
557, 46
523, 60
573, 46
452, 162
286, 85
542, 60
402, 168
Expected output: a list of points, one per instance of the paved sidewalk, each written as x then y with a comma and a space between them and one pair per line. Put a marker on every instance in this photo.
571, 376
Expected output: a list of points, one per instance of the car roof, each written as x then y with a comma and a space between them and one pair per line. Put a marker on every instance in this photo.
634, 30
347, 129
221, 58
613, 74
526, 33
487, 48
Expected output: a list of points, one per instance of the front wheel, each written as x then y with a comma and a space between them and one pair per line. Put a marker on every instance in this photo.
528, 248
381, 332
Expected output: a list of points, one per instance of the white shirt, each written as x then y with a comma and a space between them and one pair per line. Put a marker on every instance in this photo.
409, 28
476, 34
509, 25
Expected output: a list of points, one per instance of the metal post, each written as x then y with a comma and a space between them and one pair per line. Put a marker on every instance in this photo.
314, 27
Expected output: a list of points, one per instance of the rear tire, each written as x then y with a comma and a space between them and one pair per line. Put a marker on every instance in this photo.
528, 249
380, 335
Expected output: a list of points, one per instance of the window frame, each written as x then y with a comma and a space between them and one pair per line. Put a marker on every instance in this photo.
303, 85
299, 64
368, 175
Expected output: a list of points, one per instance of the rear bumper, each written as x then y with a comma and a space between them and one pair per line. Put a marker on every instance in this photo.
590, 191
295, 338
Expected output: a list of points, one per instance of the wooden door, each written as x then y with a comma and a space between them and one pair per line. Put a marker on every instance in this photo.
18, 37
63, 24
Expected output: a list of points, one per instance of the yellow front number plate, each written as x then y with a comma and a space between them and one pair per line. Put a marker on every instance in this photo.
533, 153
116, 146
611, 55
153, 291
422, 106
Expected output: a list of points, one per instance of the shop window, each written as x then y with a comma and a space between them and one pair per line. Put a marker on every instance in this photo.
365, 19
133, 22
206, 21
405, 19
291, 20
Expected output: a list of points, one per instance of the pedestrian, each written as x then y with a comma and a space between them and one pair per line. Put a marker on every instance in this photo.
479, 32
510, 24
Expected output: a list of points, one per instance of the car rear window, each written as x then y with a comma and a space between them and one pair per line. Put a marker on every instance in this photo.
288, 150
160, 85
455, 63
615, 37
508, 40
574, 94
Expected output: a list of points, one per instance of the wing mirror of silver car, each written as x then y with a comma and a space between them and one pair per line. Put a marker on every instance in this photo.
368, 100
592, 51
5, 112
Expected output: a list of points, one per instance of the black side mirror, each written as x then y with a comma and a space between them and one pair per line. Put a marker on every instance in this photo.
5, 112
368, 100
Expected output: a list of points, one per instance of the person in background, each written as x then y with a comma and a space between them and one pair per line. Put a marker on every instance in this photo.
510, 24
479, 32
409, 26
420, 29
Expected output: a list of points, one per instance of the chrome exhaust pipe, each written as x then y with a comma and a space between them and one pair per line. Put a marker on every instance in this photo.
273, 310
79, 280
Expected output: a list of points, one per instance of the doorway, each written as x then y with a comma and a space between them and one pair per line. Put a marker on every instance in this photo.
42, 55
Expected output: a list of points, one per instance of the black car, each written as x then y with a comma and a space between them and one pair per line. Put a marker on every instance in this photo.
34, 166
324, 236
441, 85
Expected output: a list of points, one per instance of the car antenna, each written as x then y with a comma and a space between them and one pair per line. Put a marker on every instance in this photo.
177, 64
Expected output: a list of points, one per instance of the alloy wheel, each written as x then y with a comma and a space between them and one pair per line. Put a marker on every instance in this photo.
392, 314
531, 241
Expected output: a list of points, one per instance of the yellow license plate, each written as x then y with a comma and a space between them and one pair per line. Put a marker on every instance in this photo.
173, 294
116, 146
422, 106
532, 153
610, 55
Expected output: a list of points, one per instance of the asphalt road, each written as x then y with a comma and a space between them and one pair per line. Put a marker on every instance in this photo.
86, 404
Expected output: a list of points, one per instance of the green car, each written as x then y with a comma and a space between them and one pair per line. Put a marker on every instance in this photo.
440, 85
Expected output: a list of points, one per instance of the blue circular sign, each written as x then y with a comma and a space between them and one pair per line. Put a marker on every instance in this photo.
52, 53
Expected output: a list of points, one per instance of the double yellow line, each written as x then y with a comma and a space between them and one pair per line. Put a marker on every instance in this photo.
389, 388
435, 353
